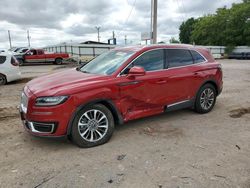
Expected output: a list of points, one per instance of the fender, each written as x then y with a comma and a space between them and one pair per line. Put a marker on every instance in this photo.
213, 81
107, 102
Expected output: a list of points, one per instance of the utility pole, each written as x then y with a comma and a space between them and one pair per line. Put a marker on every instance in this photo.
98, 33
9, 38
153, 31
125, 39
28, 37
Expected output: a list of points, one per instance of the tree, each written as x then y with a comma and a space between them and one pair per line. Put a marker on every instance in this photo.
227, 27
186, 29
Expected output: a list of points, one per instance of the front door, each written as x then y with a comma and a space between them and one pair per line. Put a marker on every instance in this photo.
143, 95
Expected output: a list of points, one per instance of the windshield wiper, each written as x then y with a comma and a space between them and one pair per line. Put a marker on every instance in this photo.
79, 69
85, 71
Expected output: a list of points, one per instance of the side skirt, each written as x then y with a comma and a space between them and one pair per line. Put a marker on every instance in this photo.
180, 105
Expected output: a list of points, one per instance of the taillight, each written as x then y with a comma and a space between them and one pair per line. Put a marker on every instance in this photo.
14, 61
220, 67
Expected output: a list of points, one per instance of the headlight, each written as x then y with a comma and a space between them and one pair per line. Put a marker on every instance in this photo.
50, 101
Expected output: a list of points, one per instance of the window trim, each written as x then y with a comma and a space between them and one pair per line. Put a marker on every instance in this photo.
199, 54
165, 67
179, 49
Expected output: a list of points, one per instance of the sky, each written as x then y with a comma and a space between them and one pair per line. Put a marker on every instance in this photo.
55, 21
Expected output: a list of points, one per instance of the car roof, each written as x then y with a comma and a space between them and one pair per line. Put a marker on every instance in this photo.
154, 46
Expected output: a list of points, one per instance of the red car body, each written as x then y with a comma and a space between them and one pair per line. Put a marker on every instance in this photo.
127, 97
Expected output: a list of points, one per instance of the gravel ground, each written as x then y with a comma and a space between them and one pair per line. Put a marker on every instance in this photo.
177, 149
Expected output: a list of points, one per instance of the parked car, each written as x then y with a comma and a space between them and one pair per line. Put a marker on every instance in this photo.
39, 56
21, 50
118, 86
239, 55
16, 49
9, 68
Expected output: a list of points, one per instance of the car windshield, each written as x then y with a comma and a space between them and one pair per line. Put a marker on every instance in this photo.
107, 63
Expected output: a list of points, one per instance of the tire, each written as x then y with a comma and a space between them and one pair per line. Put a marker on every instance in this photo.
3, 79
205, 99
86, 125
21, 62
58, 61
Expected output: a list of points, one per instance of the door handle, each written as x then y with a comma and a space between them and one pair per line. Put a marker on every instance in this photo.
161, 82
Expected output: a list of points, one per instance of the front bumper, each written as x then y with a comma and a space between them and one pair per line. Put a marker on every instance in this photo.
46, 121
39, 127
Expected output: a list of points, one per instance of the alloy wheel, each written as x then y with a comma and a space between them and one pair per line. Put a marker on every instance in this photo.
207, 98
93, 125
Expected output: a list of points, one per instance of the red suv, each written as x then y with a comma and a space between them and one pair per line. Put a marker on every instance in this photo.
118, 86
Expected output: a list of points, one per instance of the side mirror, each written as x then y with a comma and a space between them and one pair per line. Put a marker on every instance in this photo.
136, 71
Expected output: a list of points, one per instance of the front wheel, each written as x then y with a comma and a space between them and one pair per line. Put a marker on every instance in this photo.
92, 126
205, 99
21, 62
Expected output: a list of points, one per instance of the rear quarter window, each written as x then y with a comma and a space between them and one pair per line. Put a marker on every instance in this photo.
197, 57
178, 57
2, 59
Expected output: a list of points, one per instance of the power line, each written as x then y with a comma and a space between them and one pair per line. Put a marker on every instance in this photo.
131, 10
133, 6
184, 9
178, 4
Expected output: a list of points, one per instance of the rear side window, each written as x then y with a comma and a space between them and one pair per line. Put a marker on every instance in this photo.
151, 61
2, 59
197, 57
178, 57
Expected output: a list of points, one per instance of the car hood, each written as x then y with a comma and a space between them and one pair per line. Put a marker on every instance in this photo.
64, 83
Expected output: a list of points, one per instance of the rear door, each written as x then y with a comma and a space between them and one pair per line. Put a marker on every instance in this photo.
3, 65
179, 76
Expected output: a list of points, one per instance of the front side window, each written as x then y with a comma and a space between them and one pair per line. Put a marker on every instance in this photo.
107, 63
178, 57
197, 57
151, 61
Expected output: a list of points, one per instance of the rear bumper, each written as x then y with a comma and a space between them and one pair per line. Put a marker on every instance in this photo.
220, 89
14, 76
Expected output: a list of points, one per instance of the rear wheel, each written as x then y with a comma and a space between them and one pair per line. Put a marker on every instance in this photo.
3, 80
205, 99
92, 126
58, 61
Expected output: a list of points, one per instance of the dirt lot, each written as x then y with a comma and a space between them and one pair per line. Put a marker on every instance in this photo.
178, 149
